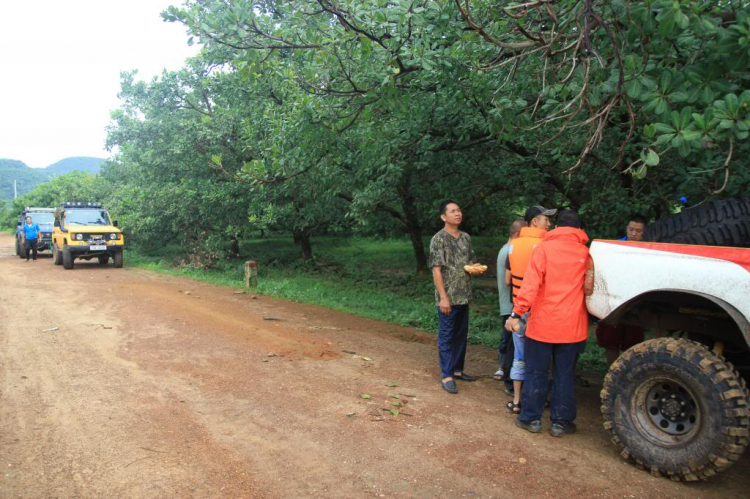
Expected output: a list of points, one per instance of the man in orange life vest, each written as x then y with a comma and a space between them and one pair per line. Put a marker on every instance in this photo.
558, 277
519, 254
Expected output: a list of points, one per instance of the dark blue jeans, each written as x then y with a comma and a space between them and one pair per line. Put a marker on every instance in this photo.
452, 334
538, 356
505, 340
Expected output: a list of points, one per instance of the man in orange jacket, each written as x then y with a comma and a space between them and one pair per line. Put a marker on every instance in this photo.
558, 327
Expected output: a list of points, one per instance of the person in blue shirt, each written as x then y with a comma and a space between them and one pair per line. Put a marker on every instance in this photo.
506, 349
31, 236
635, 229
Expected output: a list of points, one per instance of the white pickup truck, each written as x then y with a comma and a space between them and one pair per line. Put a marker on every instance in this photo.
676, 404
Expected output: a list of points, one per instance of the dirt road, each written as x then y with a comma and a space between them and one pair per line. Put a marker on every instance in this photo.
124, 383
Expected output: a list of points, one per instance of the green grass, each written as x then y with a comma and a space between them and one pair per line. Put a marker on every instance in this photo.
367, 277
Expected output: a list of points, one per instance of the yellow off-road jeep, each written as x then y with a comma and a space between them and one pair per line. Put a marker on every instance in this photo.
85, 231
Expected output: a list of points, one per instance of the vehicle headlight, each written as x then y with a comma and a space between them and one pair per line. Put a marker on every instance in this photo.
113, 236
79, 237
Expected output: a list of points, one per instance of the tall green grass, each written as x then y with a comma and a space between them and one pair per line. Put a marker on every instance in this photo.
367, 277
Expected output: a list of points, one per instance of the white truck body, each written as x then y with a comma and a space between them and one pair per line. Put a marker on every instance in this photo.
625, 270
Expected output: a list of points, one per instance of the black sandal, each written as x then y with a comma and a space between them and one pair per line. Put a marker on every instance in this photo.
513, 408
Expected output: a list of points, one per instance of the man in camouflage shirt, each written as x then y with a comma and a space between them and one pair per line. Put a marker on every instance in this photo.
450, 251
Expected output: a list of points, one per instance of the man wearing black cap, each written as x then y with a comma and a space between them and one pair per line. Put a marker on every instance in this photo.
519, 255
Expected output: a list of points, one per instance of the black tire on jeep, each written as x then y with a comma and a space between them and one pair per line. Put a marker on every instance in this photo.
103, 259
21, 250
676, 408
724, 222
56, 255
18, 249
67, 258
117, 257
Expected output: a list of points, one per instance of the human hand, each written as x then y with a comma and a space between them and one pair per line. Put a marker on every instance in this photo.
513, 325
445, 305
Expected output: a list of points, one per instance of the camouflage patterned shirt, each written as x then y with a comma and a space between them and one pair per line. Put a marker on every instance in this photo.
452, 254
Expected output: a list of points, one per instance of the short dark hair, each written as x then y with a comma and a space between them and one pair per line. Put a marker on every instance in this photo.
569, 218
444, 205
638, 218
517, 225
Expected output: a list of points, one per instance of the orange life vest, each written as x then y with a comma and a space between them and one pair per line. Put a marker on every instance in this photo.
519, 255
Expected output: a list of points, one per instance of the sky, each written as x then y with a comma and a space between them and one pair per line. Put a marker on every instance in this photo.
60, 65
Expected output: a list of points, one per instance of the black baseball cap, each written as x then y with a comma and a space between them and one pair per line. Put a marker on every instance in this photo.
537, 210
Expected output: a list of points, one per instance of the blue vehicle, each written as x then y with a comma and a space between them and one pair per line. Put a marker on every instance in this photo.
44, 217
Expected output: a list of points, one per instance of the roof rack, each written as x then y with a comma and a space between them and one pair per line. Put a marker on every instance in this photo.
81, 205
38, 210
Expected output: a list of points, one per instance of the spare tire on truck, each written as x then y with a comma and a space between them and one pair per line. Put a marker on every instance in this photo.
723, 222
677, 409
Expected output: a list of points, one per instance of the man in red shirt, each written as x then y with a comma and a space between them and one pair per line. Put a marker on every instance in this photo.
558, 327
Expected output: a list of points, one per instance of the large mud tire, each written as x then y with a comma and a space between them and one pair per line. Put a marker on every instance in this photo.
706, 433
117, 258
56, 255
718, 223
67, 258
18, 248
21, 250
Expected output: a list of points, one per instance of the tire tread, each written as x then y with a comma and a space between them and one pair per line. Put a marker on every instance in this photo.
734, 394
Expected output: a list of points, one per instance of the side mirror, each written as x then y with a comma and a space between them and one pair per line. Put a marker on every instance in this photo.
19, 224
114, 223
57, 223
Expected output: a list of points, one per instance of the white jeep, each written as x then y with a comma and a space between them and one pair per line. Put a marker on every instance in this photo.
677, 405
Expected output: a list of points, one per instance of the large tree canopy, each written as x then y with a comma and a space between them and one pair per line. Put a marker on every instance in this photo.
309, 117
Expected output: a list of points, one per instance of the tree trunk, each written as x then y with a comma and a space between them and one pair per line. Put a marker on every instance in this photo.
414, 229
234, 250
303, 239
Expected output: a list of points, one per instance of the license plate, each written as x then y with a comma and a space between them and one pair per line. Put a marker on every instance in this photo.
98, 248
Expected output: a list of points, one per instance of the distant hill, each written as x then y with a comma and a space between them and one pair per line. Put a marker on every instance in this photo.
27, 178
67, 165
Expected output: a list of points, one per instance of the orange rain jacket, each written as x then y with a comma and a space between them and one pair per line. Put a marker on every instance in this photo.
553, 286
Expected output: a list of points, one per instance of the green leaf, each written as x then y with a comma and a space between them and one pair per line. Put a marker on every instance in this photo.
691, 135
681, 19
649, 131
391, 384
678, 97
366, 396
394, 412
661, 106
652, 159
664, 139
666, 80
640, 172
663, 128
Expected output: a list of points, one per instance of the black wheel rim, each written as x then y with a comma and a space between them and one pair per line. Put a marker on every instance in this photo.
666, 411
671, 408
